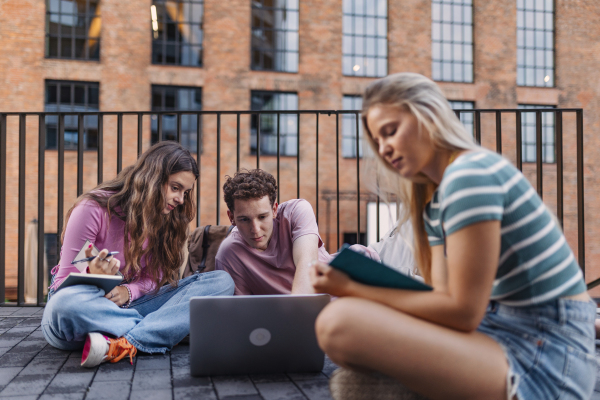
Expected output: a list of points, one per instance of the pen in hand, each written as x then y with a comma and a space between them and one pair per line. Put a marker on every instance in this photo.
92, 257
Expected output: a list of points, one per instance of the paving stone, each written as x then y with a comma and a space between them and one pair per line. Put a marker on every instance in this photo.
54, 353
7, 374
180, 361
194, 393
182, 378
109, 391
4, 350
153, 362
30, 397
121, 371
31, 322
181, 349
28, 346
27, 384
317, 389
73, 366
70, 383
329, 367
16, 359
36, 335
26, 311
279, 391
78, 353
5, 311
151, 395
24, 330
233, 386
153, 379
40, 366
7, 341
63, 396
266, 378
243, 397
307, 376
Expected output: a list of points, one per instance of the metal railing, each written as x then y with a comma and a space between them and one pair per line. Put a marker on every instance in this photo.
317, 116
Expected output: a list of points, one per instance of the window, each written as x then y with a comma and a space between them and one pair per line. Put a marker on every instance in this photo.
465, 117
528, 141
349, 127
175, 98
275, 35
364, 40
535, 43
72, 96
73, 29
288, 123
177, 32
452, 40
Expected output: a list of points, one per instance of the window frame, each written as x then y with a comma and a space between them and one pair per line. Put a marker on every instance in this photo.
532, 125
254, 125
527, 54
467, 119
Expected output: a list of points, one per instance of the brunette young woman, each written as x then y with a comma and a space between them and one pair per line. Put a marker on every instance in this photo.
509, 317
144, 214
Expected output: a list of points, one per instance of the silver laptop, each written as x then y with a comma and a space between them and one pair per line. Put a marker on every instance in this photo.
255, 334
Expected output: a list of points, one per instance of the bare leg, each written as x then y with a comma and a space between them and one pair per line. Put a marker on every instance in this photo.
434, 361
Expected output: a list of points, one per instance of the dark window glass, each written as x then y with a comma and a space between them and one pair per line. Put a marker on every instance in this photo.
349, 127
288, 123
528, 134
177, 98
69, 96
535, 43
177, 32
275, 35
465, 117
364, 39
73, 29
452, 40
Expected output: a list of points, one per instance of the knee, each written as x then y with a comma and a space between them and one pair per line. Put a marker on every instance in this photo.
220, 283
67, 303
334, 328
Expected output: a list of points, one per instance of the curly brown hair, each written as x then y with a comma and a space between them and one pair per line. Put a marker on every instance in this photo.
136, 196
253, 184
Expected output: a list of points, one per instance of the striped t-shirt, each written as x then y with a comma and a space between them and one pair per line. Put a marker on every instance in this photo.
536, 264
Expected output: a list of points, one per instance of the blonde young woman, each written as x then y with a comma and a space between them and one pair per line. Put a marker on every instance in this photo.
509, 317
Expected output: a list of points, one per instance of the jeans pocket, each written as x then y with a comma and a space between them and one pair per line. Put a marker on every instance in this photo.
579, 375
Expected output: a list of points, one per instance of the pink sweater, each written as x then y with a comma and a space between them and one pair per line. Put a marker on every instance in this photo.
89, 221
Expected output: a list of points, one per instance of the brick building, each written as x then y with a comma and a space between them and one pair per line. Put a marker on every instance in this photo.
143, 55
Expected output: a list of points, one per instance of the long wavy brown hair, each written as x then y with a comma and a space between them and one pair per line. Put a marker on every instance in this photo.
137, 197
424, 99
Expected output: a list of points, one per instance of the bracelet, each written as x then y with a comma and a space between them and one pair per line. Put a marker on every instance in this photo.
128, 302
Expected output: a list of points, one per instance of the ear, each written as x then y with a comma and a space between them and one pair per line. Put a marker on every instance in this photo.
275, 205
231, 218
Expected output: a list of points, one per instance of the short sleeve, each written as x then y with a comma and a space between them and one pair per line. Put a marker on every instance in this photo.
302, 220
471, 192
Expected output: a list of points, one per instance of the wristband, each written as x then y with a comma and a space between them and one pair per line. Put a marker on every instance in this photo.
128, 302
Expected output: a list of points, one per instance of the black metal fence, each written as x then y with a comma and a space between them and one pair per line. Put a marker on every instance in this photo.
318, 116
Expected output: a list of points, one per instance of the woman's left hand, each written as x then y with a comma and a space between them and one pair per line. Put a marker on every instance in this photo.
119, 295
326, 279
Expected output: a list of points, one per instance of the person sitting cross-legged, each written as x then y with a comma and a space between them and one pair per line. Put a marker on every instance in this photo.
272, 245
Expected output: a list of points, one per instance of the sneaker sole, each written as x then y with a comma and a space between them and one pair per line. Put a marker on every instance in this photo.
96, 347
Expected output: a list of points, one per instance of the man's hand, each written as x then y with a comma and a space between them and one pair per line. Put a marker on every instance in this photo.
101, 264
305, 250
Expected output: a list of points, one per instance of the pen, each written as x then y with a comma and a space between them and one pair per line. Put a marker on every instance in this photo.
92, 257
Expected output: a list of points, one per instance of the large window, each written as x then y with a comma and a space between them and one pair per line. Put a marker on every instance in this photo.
288, 123
528, 136
71, 96
176, 98
364, 41
73, 29
349, 127
465, 117
177, 32
535, 43
452, 40
275, 35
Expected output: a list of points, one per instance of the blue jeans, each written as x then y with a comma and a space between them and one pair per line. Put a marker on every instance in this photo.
153, 323
549, 347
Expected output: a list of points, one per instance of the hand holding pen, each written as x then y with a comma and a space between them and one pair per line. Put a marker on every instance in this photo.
103, 263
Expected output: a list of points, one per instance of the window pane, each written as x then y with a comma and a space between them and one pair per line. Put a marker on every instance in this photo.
535, 43
261, 100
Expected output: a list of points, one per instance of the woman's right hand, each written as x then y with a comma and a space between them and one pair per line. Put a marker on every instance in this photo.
101, 264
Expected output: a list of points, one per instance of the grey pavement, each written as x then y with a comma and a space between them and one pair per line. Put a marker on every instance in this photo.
32, 369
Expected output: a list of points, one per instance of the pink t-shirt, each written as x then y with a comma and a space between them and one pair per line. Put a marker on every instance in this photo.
89, 221
270, 271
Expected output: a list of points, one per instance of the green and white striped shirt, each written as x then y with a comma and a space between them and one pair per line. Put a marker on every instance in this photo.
536, 264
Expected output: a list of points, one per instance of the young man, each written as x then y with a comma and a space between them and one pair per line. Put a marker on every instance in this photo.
271, 246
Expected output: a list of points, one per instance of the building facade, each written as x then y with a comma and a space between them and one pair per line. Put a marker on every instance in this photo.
155, 55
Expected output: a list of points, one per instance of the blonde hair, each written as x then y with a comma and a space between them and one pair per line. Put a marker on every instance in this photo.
423, 99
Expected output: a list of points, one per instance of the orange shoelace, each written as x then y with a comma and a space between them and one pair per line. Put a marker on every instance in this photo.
118, 349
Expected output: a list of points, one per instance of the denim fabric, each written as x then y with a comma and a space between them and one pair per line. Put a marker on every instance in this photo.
153, 323
550, 348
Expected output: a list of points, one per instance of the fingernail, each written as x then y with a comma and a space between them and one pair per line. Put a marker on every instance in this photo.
90, 246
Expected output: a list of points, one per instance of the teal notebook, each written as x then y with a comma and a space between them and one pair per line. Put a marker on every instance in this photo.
365, 270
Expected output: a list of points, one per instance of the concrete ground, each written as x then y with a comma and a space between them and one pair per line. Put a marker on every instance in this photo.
32, 369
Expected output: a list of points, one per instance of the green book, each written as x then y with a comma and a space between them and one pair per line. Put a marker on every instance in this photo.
370, 272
